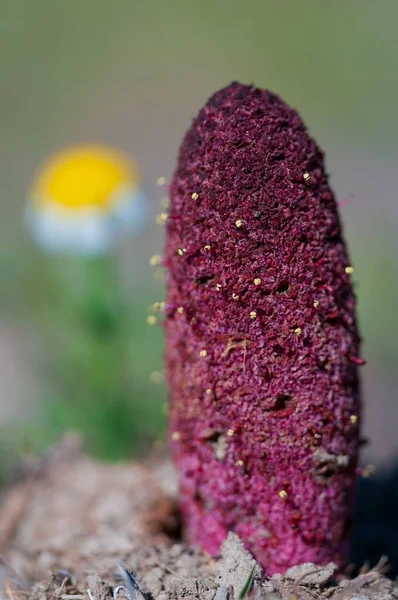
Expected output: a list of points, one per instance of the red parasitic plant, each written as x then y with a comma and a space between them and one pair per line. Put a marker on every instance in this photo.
261, 340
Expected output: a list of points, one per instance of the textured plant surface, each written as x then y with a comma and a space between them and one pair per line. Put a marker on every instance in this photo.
261, 340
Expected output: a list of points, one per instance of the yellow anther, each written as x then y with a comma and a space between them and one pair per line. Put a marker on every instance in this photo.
218, 287
195, 196
349, 270
181, 251
203, 353
180, 310
316, 303
257, 281
156, 259
298, 331
162, 218
151, 320
176, 435
253, 314
306, 176
239, 223
230, 432
239, 463
235, 297
282, 494
161, 181
353, 419
368, 470
159, 275
207, 247
156, 377
209, 391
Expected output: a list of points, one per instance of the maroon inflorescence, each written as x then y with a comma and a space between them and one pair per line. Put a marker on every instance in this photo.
261, 340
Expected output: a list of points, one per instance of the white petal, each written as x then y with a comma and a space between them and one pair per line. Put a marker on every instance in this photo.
81, 232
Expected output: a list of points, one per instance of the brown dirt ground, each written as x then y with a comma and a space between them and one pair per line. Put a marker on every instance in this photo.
68, 522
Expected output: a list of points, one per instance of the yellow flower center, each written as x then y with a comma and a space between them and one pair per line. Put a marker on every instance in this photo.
84, 177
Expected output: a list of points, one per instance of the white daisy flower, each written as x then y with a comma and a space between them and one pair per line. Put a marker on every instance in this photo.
84, 199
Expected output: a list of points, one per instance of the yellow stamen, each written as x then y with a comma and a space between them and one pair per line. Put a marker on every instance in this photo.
158, 306
156, 259
159, 275
156, 377
368, 471
162, 218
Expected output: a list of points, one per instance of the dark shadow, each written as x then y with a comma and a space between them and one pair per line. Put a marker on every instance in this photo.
376, 521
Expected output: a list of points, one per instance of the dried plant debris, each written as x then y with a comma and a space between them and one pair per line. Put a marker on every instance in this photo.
180, 572
82, 519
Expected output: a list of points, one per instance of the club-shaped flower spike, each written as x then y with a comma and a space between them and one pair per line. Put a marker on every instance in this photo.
286, 403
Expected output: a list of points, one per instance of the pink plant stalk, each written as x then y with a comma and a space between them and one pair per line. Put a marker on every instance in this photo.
261, 339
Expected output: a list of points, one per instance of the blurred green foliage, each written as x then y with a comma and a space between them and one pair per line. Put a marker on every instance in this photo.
95, 356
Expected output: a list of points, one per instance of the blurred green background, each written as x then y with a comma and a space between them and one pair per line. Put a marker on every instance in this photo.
132, 75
